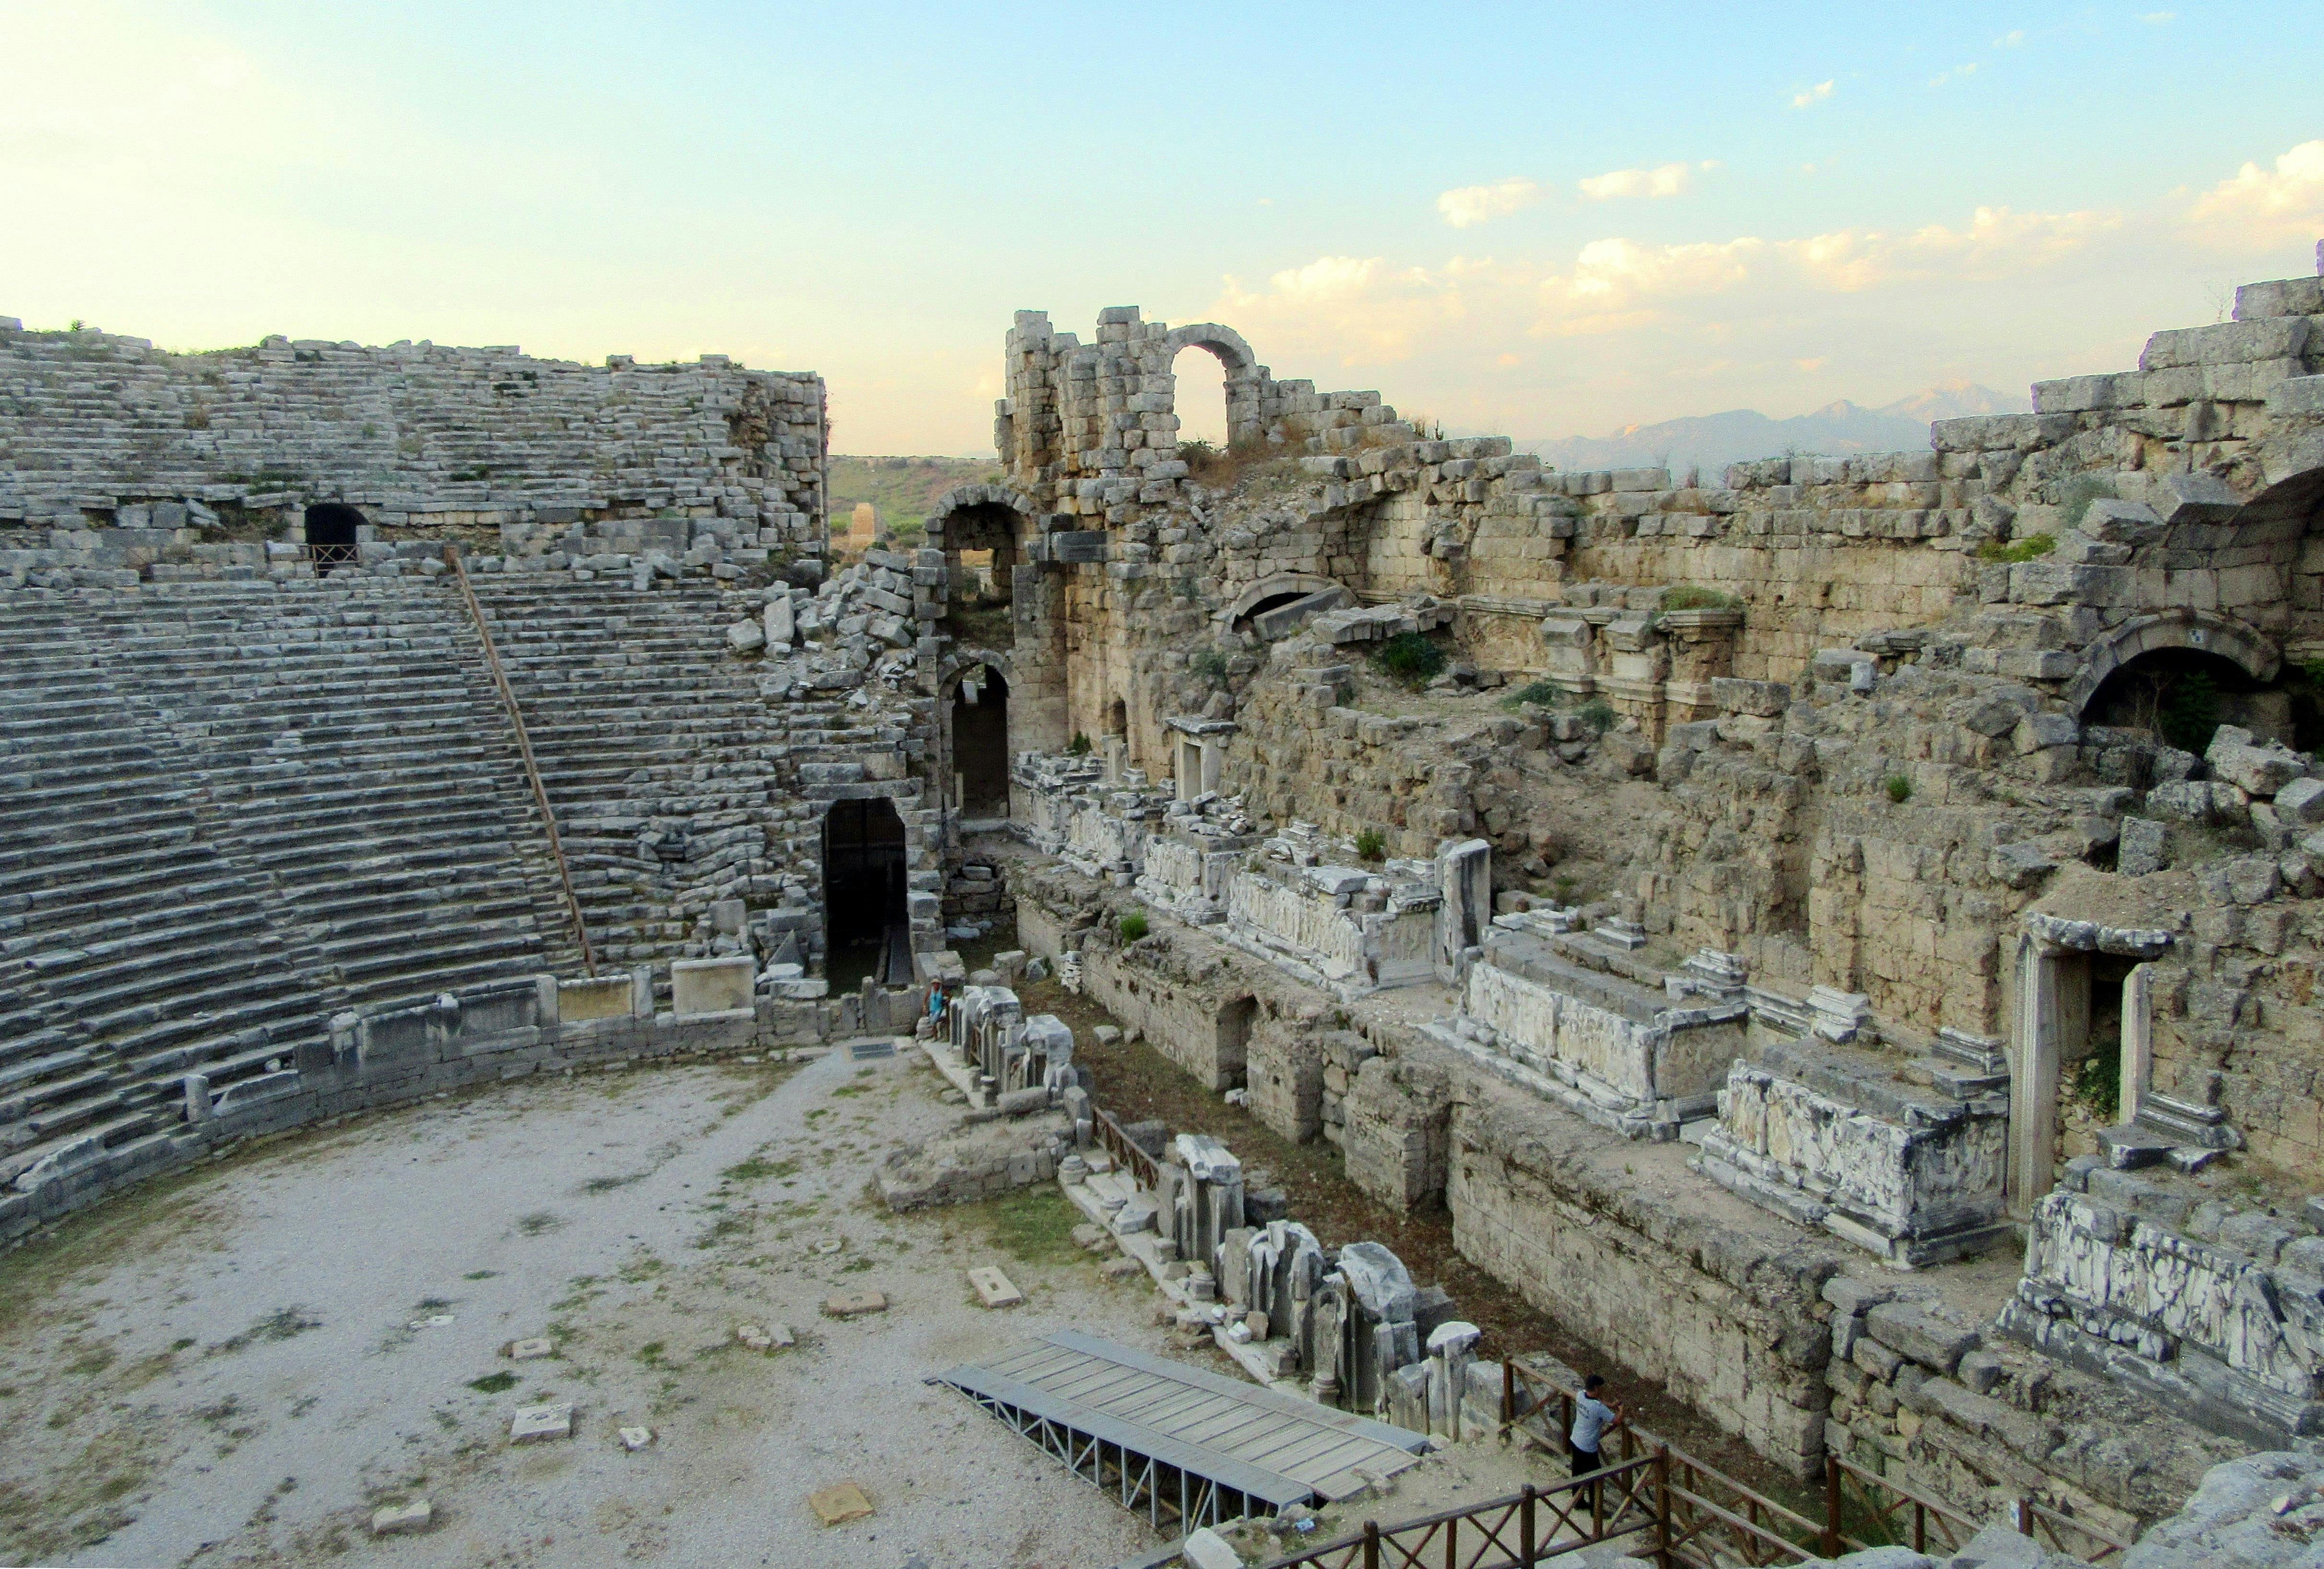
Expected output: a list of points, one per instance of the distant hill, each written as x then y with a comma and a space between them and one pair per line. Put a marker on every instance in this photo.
902, 488
1712, 441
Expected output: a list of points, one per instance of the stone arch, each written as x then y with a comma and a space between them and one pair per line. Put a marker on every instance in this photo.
963, 498
2202, 631
866, 899
1275, 588
1246, 377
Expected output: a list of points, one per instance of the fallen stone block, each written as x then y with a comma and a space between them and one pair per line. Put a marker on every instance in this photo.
636, 1438
838, 1504
531, 1350
540, 1424
750, 1337
1092, 1237
1120, 1267
994, 1288
1206, 1549
1919, 1335
402, 1519
849, 1303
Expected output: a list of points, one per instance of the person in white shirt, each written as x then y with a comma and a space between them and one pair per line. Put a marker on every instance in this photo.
1593, 1417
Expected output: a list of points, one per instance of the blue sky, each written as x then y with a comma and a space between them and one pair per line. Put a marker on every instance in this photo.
1543, 220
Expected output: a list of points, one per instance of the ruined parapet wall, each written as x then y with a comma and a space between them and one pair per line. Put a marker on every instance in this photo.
108, 436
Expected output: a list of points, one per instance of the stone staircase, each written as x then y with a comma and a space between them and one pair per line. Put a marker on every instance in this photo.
661, 760
230, 810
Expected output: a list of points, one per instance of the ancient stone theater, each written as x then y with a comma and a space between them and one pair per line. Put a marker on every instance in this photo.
1837, 937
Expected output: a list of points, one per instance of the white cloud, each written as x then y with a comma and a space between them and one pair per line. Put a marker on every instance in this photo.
1478, 204
1808, 97
2011, 39
2159, 18
1666, 179
2261, 204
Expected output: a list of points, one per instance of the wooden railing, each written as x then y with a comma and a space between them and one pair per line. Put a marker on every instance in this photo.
2077, 1539
1711, 1518
1143, 1168
1863, 1508
1521, 1530
524, 750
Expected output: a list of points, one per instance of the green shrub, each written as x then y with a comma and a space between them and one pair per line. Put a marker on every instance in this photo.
1371, 844
2186, 711
1598, 714
1211, 666
1565, 884
1133, 926
2029, 548
1541, 694
2098, 1084
1410, 658
1079, 746
1693, 597
1899, 788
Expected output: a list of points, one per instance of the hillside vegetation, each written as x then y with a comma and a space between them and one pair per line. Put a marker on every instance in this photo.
904, 489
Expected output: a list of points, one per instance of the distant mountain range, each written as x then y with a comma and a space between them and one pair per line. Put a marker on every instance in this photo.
1711, 441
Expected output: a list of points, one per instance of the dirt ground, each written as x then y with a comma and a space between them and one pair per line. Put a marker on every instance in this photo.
236, 1367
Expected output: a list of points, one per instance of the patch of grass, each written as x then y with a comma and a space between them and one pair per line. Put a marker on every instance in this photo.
1372, 845
757, 1167
1899, 788
1034, 1225
1694, 597
856, 1266
2031, 548
1211, 666
279, 1325
650, 1351
1410, 659
1541, 693
493, 1383
608, 1184
638, 1271
92, 1361
2098, 1083
431, 1305
538, 1221
1133, 926
1079, 746
480, 1274
1598, 714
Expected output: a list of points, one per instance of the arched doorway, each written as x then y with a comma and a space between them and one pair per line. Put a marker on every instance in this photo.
1199, 396
2181, 695
331, 536
867, 924
979, 744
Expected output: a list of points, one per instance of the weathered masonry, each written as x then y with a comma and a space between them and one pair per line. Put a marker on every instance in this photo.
1740, 898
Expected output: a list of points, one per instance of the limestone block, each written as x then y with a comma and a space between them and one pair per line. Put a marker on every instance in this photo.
2258, 770
994, 1287
1204, 1548
2021, 864
541, 1424
1918, 1334
745, 638
2141, 847
712, 986
402, 1519
2302, 802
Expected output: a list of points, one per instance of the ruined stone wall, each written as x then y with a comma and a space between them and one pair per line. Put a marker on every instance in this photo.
108, 443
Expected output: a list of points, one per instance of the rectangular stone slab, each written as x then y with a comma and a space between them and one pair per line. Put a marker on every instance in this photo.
994, 1287
848, 1304
540, 1424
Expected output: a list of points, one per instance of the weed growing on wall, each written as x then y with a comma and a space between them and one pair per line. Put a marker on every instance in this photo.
1133, 926
1409, 658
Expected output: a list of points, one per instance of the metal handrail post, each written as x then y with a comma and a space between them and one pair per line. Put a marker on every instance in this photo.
524, 751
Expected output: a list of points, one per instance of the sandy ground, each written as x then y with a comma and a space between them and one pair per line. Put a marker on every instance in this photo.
237, 1366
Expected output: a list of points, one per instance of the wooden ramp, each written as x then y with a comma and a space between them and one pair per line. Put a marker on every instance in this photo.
1180, 1444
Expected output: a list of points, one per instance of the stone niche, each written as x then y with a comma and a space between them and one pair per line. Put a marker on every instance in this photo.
1656, 668
1071, 808
1548, 1012
1837, 1136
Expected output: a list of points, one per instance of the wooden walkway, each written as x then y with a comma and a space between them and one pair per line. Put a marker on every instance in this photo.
1183, 1444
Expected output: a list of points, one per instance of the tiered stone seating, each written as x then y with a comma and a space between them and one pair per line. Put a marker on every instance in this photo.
226, 812
644, 726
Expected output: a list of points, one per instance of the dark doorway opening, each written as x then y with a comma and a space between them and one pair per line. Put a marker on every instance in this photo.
865, 916
1117, 719
2181, 695
980, 743
331, 536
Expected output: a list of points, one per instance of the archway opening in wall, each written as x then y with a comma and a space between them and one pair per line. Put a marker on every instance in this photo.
980, 744
981, 544
866, 922
2179, 696
1117, 719
1200, 381
331, 536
